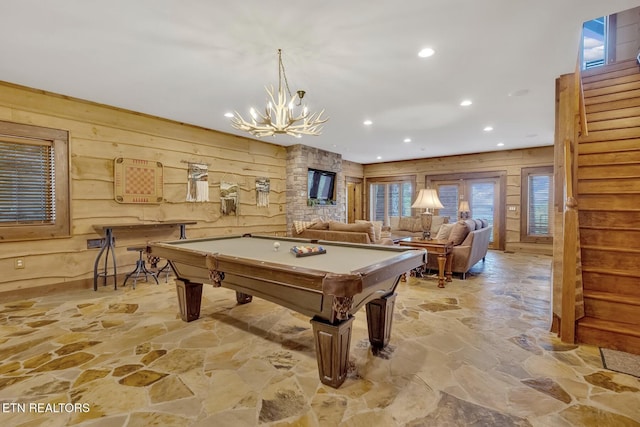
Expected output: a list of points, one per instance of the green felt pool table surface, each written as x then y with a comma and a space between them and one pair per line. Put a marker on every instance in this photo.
340, 259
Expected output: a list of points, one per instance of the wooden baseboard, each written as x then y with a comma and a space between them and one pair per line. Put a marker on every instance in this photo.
532, 248
45, 290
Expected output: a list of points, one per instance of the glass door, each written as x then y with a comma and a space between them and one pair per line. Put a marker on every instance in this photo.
483, 199
483, 191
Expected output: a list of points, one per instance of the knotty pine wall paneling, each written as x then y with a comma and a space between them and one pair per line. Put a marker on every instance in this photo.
99, 134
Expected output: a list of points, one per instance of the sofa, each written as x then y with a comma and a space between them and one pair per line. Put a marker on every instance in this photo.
366, 232
400, 227
470, 240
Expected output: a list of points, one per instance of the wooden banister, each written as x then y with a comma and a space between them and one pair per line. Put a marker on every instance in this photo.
582, 111
569, 265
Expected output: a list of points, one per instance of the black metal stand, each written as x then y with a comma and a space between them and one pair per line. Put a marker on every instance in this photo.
141, 268
107, 247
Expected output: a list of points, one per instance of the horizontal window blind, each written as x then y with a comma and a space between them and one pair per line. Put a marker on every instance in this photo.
539, 205
27, 182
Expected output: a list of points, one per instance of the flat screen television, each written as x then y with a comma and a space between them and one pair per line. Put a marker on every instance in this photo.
320, 185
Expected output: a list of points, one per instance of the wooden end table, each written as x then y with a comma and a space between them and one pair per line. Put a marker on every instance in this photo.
442, 248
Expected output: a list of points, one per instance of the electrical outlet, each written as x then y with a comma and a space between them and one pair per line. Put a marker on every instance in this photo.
94, 243
18, 263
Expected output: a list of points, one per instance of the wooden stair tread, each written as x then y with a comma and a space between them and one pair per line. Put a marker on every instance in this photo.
610, 271
609, 296
607, 325
624, 250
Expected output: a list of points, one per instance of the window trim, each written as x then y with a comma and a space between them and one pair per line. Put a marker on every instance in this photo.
60, 140
525, 173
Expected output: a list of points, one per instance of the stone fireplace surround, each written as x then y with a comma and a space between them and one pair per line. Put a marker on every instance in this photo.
299, 159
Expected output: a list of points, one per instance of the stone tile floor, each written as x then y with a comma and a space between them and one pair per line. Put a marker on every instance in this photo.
477, 353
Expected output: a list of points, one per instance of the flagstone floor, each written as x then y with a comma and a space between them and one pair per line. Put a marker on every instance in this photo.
477, 353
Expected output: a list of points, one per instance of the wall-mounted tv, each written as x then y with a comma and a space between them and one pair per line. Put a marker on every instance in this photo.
320, 185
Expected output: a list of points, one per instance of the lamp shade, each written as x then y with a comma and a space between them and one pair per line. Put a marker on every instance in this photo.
464, 206
427, 199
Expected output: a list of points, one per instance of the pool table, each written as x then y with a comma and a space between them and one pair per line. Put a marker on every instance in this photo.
330, 287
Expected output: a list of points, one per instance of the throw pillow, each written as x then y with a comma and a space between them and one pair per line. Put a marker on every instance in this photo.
353, 228
444, 232
405, 223
377, 227
459, 232
436, 223
416, 226
478, 224
471, 224
301, 225
485, 223
394, 222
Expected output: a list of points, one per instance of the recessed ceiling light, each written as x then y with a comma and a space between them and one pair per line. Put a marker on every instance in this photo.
519, 92
426, 52
367, 123
466, 103
228, 115
500, 144
379, 157
488, 128
407, 140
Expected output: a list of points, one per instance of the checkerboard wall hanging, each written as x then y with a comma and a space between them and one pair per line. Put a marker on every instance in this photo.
138, 181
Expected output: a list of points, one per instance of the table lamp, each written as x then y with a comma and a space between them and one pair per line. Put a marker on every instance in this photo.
464, 209
427, 199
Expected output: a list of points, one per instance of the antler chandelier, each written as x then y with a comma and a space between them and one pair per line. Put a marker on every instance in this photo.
280, 116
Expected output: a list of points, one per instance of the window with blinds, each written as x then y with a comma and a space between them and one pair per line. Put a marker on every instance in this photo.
537, 205
27, 183
390, 197
34, 182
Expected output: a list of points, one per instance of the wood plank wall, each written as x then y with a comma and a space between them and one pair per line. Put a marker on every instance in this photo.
99, 134
511, 161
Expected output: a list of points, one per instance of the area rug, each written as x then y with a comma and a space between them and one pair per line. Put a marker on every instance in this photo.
620, 361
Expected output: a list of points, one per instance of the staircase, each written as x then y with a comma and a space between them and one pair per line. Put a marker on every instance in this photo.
608, 194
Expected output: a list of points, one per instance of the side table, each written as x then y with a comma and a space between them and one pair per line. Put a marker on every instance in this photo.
442, 248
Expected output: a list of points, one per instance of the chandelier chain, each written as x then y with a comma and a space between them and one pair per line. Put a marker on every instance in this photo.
282, 73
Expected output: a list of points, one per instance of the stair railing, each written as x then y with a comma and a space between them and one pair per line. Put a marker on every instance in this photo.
571, 265
570, 252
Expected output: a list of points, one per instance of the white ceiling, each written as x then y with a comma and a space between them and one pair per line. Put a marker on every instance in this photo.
194, 60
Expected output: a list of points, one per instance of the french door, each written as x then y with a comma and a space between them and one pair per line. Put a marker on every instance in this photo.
485, 195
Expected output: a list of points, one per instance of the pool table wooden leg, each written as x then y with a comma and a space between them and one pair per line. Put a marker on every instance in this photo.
379, 319
189, 299
332, 349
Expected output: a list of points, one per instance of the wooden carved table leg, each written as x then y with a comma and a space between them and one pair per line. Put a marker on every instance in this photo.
442, 258
448, 273
332, 349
